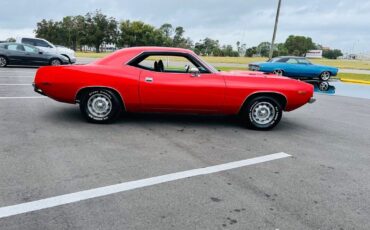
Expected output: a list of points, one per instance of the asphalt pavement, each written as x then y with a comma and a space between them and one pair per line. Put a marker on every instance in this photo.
48, 150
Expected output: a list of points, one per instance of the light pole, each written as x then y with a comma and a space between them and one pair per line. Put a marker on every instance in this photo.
275, 28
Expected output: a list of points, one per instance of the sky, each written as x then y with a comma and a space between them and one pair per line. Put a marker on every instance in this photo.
343, 24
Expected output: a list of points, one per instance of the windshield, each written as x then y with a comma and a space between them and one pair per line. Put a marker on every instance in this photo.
209, 66
273, 60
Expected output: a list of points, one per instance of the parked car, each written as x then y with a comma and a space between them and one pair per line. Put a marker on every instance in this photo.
297, 67
141, 79
46, 46
22, 54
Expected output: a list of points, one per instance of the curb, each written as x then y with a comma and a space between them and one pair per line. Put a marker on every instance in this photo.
355, 81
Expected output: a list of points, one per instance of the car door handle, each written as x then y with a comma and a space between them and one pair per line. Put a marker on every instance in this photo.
149, 79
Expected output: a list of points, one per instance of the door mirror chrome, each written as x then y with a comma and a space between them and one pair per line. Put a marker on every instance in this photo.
194, 71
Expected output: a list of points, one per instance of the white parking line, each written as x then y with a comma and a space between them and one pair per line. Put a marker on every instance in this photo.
126, 186
25, 76
35, 97
14, 84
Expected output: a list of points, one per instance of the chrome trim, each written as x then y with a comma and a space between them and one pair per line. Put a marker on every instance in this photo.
312, 100
259, 92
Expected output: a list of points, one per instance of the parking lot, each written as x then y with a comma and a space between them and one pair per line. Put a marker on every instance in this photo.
48, 150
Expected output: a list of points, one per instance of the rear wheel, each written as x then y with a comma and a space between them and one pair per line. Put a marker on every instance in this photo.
100, 106
278, 72
325, 76
3, 61
262, 113
55, 62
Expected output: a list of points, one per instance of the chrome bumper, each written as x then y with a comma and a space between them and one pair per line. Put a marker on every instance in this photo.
312, 100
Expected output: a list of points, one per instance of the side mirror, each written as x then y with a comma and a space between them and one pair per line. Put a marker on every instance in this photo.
194, 71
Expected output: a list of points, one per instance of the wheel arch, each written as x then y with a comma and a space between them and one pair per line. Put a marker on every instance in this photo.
280, 97
82, 91
4, 56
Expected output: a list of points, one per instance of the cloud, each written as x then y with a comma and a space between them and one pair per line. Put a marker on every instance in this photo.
336, 23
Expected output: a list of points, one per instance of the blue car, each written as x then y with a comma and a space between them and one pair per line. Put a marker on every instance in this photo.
297, 67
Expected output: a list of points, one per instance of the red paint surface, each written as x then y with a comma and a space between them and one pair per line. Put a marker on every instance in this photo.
218, 93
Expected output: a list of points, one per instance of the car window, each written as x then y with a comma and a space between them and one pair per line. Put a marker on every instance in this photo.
303, 61
30, 49
42, 43
169, 63
28, 41
12, 47
292, 61
35, 42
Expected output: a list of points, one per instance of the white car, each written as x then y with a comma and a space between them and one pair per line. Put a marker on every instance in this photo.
48, 47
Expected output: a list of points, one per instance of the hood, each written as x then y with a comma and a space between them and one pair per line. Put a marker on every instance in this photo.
244, 73
62, 49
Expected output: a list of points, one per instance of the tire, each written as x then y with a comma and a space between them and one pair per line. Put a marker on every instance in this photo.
261, 113
3, 61
55, 62
278, 72
100, 106
325, 76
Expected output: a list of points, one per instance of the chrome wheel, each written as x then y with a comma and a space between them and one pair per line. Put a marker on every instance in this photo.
324, 86
55, 62
278, 72
3, 62
99, 105
263, 113
325, 76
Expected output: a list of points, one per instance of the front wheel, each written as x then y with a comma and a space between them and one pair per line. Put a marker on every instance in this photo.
262, 113
100, 106
55, 62
325, 76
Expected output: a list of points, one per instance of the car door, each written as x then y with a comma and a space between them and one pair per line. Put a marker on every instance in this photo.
176, 90
15, 54
35, 56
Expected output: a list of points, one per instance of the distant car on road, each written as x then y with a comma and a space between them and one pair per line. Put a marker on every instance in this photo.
46, 46
22, 54
297, 67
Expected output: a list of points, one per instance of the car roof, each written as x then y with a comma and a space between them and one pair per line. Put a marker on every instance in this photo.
290, 57
126, 54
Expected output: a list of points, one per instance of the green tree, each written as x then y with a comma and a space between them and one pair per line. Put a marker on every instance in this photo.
11, 39
332, 54
298, 45
251, 51
138, 33
100, 29
263, 49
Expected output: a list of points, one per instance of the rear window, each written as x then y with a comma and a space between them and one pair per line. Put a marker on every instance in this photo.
35, 42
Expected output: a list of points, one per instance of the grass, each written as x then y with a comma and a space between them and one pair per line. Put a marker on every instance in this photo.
343, 64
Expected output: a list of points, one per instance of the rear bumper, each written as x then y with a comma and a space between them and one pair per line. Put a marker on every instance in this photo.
312, 100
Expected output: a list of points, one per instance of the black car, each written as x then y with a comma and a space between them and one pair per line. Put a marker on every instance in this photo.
22, 54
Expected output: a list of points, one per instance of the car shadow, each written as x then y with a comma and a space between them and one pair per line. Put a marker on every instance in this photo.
21, 66
73, 115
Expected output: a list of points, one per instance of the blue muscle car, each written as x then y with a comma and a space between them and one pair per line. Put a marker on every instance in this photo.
297, 67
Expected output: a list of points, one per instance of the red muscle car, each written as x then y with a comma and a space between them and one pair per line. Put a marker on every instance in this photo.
142, 79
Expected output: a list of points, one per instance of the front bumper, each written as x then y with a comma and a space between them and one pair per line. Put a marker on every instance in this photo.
37, 90
72, 60
312, 100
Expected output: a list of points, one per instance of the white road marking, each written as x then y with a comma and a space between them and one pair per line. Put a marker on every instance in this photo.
14, 84
22, 76
35, 97
126, 186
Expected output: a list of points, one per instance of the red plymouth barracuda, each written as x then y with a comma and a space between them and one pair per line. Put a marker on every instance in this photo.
141, 79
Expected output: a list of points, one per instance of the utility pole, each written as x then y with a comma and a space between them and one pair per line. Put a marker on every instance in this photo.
275, 28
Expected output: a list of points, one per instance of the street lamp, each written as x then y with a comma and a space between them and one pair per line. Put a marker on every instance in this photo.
275, 28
